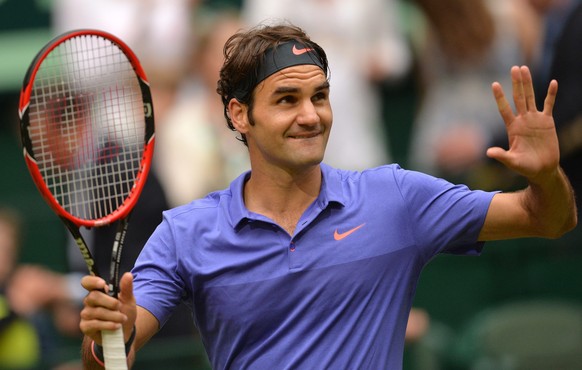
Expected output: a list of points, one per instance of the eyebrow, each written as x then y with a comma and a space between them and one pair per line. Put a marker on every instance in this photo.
291, 90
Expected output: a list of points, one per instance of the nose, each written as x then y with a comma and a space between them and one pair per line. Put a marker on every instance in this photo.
308, 114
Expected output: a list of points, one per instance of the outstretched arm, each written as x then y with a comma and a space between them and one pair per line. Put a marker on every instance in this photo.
546, 208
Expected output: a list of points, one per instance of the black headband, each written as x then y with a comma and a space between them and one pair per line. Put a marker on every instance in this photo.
288, 54
284, 55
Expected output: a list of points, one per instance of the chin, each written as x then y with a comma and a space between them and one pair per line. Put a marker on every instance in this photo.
313, 161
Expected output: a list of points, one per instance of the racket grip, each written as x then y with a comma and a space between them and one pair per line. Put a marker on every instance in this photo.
114, 349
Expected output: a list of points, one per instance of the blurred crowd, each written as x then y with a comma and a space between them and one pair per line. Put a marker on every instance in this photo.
440, 55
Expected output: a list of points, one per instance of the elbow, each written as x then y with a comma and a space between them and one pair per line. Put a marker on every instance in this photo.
568, 225
572, 222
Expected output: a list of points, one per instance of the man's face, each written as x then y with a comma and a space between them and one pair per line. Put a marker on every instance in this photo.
291, 119
65, 128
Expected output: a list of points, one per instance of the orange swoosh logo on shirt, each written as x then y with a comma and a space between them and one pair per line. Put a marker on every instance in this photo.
340, 236
300, 51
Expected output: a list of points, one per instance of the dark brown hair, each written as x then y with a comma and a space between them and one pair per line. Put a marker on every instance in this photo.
244, 52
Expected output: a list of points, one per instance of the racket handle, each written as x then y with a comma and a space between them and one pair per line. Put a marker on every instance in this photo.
114, 349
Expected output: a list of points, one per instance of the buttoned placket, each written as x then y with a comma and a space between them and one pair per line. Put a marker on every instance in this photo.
295, 253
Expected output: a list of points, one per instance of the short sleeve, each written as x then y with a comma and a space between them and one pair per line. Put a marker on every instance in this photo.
445, 217
157, 285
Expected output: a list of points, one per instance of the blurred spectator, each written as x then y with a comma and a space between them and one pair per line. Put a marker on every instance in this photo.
549, 18
565, 68
196, 152
19, 342
158, 31
463, 48
366, 45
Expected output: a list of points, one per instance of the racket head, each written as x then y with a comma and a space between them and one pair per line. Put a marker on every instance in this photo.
87, 126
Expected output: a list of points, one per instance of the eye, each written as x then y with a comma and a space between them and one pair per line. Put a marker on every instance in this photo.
287, 99
64, 111
320, 96
58, 112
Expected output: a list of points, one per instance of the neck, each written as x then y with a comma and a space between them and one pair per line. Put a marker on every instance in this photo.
283, 197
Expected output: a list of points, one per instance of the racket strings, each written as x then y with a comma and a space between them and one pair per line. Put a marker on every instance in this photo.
87, 126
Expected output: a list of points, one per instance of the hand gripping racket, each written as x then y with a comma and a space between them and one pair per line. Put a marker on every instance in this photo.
87, 128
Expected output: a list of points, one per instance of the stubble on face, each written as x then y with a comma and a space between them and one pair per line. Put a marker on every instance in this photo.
291, 118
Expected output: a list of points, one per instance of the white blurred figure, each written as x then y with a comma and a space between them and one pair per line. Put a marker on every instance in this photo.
197, 153
366, 45
158, 31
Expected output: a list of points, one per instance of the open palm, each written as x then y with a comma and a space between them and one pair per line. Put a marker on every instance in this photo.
533, 143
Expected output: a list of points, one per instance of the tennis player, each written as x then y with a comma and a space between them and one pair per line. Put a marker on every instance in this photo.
298, 265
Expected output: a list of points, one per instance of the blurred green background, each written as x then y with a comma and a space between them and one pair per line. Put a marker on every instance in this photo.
455, 291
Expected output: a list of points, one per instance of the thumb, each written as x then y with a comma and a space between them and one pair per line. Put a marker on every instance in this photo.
126, 288
499, 154
129, 307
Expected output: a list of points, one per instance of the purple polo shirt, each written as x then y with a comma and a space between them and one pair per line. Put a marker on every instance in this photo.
335, 295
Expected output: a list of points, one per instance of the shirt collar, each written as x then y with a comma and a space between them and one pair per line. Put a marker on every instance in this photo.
331, 192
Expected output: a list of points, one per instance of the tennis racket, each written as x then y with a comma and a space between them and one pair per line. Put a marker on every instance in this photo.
87, 130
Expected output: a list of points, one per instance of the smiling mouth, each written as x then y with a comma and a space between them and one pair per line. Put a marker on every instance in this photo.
305, 136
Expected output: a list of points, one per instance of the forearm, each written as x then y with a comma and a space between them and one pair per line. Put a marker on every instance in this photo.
546, 209
549, 202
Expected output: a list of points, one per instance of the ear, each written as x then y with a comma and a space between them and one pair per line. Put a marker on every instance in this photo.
239, 115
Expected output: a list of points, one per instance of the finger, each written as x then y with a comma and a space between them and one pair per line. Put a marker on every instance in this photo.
95, 319
87, 328
495, 152
518, 93
129, 306
550, 97
93, 328
104, 315
500, 155
126, 288
502, 103
530, 100
90, 282
98, 298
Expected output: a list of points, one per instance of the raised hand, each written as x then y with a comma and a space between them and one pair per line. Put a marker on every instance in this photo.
533, 143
